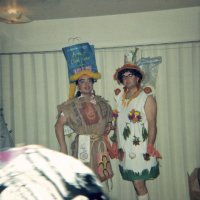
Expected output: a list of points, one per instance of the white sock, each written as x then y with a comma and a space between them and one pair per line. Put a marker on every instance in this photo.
144, 197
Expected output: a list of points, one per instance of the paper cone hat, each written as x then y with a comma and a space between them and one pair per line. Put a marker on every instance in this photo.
129, 63
80, 61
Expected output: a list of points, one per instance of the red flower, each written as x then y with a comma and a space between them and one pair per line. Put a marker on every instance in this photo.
115, 114
147, 90
117, 91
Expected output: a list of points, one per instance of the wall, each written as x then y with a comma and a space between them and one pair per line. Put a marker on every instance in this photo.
118, 30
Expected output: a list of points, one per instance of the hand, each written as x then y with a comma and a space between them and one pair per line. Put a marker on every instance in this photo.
111, 148
108, 128
63, 150
106, 140
115, 153
152, 151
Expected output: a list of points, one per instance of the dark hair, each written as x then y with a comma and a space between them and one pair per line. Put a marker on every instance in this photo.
132, 71
78, 93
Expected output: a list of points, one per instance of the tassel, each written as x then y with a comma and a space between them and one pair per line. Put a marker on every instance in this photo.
72, 89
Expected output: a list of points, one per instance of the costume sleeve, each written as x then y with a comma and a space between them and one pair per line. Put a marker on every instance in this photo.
63, 110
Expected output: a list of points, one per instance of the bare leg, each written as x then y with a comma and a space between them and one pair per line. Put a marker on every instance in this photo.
141, 189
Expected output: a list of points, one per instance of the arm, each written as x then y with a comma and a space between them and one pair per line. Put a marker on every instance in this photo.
59, 130
109, 116
150, 109
151, 113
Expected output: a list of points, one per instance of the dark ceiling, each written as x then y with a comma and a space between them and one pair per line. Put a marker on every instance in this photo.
61, 9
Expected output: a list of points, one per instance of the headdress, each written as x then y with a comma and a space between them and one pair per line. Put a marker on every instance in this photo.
146, 68
80, 61
129, 63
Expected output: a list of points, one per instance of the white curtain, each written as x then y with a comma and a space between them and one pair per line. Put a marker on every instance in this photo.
33, 84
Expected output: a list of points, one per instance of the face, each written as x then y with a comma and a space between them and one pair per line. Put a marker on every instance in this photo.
85, 84
129, 80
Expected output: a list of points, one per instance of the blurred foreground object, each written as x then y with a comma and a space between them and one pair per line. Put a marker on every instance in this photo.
6, 136
194, 184
35, 172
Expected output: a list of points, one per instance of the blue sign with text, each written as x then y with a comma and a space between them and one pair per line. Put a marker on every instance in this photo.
80, 57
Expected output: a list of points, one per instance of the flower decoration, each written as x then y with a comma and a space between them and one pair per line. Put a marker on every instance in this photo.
115, 115
134, 116
136, 140
147, 90
117, 91
113, 138
146, 156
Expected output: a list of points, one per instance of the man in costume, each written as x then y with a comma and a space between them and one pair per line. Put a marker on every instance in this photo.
87, 114
136, 124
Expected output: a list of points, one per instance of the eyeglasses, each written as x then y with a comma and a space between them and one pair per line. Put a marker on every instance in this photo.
87, 80
127, 76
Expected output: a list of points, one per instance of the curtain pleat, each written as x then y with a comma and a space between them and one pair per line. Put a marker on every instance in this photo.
33, 84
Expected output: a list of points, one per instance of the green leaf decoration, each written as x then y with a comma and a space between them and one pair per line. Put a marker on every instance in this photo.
113, 137
144, 133
126, 132
136, 140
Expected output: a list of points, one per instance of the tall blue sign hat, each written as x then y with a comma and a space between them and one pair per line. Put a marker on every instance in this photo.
80, 61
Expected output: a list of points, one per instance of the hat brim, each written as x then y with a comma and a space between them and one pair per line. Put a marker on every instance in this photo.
127, 66
94, 75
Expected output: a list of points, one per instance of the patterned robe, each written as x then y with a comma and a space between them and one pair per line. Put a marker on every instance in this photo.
87, 116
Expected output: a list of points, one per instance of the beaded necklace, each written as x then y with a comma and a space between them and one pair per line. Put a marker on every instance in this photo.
126, 101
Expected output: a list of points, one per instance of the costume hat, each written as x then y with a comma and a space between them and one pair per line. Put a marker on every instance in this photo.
129, 63
80, 61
